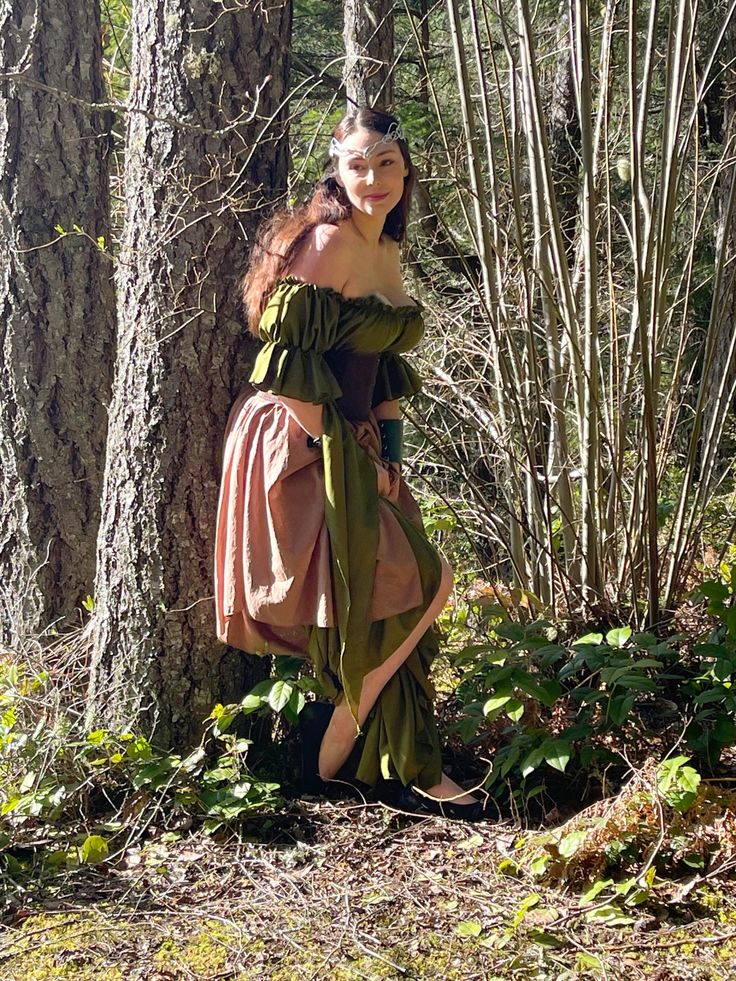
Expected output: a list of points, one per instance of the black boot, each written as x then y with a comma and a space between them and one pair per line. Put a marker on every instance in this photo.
410, 801
314, 719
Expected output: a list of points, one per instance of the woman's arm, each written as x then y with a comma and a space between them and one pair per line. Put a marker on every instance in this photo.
322, 261
388, 410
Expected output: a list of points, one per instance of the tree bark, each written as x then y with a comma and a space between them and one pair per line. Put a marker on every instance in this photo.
58, 312
722, 369
564, 133
197, 172
369, 49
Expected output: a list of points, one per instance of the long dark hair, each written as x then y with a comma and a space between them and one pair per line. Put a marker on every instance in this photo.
280, 238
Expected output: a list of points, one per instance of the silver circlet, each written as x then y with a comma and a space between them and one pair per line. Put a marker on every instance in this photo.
393, 133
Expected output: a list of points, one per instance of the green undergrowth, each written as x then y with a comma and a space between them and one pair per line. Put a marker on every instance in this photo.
552, 710
71, 798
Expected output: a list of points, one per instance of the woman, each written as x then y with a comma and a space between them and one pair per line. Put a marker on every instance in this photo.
320, 548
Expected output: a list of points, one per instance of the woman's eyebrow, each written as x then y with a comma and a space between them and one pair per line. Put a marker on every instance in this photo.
382, 153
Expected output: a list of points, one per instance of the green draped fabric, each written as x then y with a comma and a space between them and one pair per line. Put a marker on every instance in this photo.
300, 324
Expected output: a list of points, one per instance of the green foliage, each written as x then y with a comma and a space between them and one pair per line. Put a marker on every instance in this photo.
665, 824
711, 688
89, 791
577, 705
283, 693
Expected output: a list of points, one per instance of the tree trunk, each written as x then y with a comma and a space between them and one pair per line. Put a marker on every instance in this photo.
196, 173
564, 133
58, 322
721, 374
369, 49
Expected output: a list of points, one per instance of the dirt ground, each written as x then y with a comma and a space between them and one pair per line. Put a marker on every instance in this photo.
341, 891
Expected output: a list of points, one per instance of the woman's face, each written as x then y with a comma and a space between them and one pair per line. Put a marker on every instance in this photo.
375, 185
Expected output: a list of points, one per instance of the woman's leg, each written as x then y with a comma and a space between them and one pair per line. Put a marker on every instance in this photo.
340, 736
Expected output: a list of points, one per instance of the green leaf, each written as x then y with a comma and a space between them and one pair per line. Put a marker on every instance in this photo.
251, 703
531, 686
568, 845
723, 670
557, 754
9, 805
224, 722
514, 709
619, 708
716, 694
28, 781
644, 640
469, 928
588, 962
589, 639
668, 770
539, 865
288, 666
297, 701
618, 636
529, 902
531, 761
510, 630
495, 704
678, 783
714, 591
279, 695
546, 939
597, 887
94, 849
611, 915
550, 691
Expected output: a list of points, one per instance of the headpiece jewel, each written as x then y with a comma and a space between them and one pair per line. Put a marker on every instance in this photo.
392, 134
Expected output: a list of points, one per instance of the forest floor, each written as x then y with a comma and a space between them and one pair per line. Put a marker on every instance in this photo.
341, 891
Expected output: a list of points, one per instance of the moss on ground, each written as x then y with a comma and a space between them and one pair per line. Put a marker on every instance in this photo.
82, 947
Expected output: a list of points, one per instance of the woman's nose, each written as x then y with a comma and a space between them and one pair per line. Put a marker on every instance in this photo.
370, 177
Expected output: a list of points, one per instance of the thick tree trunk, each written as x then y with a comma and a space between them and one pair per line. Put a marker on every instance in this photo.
369, 50
194, 177
722, 370
58, 312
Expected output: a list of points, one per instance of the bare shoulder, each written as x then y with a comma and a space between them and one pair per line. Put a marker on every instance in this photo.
324, 258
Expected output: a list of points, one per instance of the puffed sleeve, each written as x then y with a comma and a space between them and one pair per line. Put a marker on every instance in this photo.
396, 379
300, 323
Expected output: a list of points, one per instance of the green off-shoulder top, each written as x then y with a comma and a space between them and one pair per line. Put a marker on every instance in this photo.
300, 325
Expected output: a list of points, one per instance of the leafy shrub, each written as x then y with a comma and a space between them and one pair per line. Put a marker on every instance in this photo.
587, 700
711, 688
665, 823
83, 793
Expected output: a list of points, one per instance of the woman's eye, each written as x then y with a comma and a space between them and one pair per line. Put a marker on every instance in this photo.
388, 163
